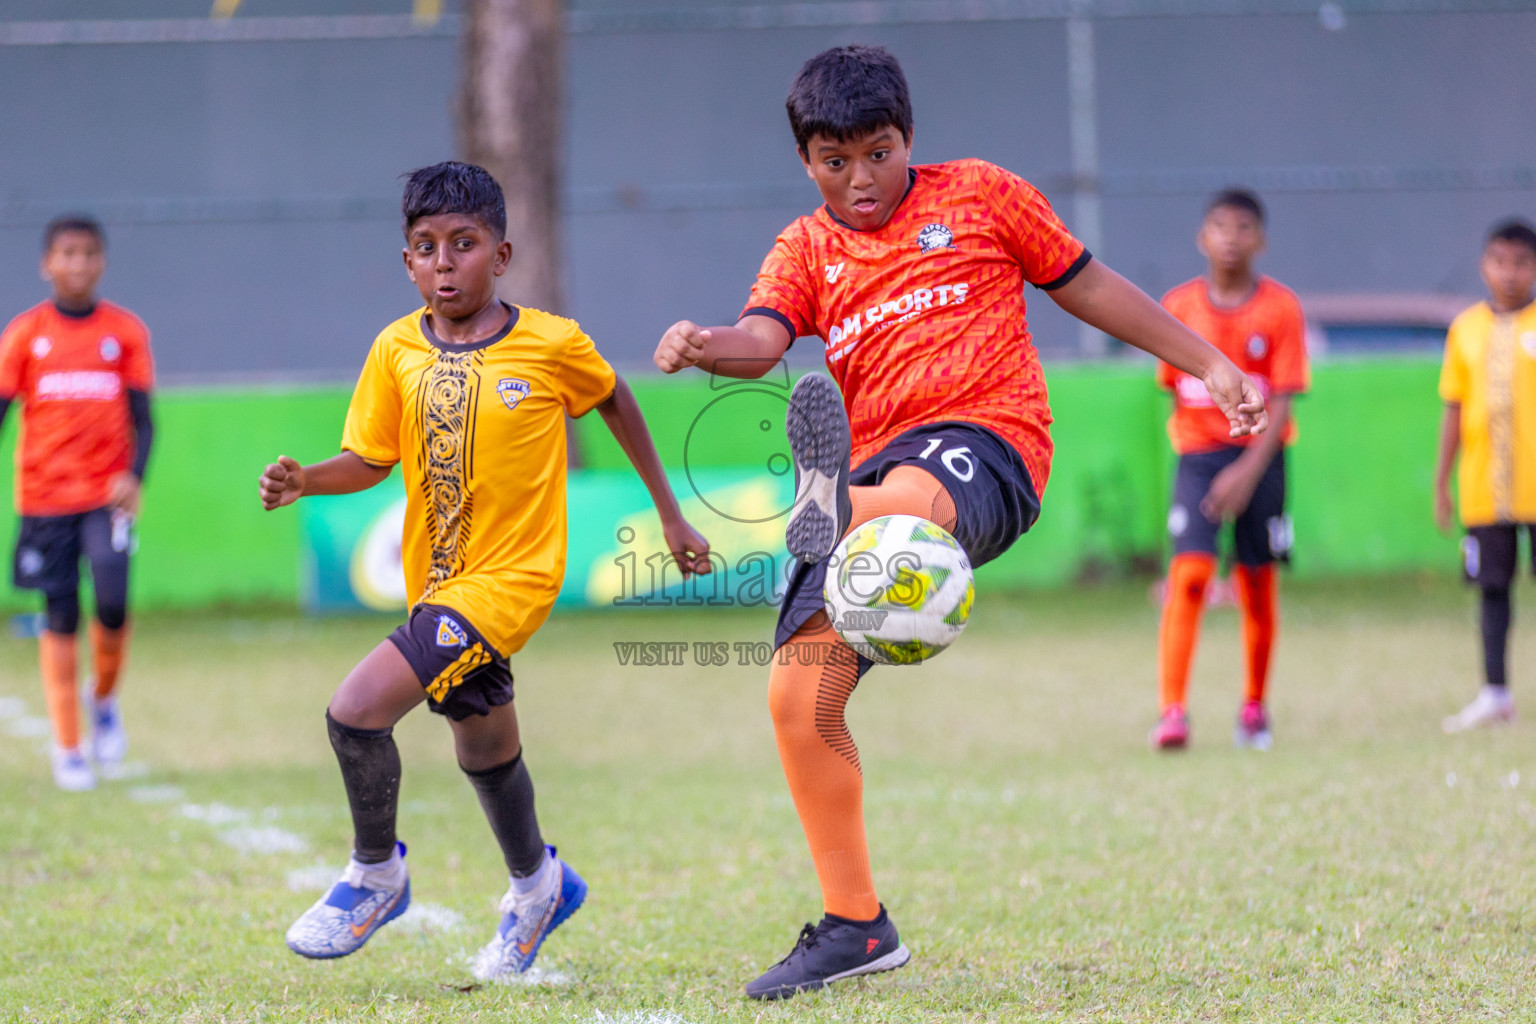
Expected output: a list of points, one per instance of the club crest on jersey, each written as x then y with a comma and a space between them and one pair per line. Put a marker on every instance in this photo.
1257, 346
450, 633
40, 347
935, 236
111, 348
512, 391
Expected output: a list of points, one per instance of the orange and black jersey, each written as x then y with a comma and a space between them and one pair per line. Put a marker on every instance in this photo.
75, 375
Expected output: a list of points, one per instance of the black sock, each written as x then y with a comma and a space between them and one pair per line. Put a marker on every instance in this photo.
370, 767
1496, 615
506, 794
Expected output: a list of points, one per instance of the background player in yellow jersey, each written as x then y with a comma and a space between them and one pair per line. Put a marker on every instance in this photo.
469, 396
1488, 384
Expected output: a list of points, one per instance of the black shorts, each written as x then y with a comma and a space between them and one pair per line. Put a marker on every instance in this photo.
1263, 533
1489, 554
995, 503
462, 674
49, 549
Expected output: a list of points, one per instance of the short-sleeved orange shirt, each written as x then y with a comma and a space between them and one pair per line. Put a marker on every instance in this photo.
72, 375
923, 319
1265, 337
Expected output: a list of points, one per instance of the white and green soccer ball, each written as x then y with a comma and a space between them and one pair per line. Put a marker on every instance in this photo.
899, 589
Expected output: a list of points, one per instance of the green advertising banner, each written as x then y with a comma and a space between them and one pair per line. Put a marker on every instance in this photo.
616, 554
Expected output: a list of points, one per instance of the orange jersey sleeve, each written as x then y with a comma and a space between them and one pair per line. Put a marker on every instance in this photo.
785, 289
13, 357
1029, 229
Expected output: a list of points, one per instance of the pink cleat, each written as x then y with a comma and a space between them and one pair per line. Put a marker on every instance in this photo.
1252, 727
1171, 731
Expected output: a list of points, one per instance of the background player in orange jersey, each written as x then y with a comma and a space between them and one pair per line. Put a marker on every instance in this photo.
82, 371
1258, 324
913, 277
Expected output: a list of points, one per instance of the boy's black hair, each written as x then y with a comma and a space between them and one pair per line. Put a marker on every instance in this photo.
454, 187
68, 222
1237, 199
1514, 230
848, 92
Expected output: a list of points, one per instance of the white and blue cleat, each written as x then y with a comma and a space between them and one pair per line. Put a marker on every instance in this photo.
363, 901
109, 740
527, 920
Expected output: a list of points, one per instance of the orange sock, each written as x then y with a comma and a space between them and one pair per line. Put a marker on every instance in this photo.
1188, 576
906, 490
56, 657
807, 695
109, 648
1258, 595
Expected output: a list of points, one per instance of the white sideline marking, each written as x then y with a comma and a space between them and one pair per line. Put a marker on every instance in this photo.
534, 976
640, 1017
427, 919
156, 794
214, 813
264, 840
125, 770
12, 707
28, 726
318, 875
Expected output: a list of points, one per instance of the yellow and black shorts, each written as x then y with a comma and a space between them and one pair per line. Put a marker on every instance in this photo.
462, 674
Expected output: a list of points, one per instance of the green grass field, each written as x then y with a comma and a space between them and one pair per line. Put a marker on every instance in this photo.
1040, 862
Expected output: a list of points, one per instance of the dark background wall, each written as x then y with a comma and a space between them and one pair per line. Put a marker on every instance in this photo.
250, 187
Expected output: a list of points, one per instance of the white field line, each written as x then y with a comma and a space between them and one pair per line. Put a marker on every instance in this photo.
534, 976
163, 794
264, 839
428, 919
12, 707
28, 727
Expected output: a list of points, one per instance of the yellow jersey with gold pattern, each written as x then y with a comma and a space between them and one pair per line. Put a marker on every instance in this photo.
1490, 371
479, 433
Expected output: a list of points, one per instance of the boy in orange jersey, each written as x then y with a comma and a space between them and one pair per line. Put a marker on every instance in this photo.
1488, 384
469, 395
913, 277
81, 369
1258, 324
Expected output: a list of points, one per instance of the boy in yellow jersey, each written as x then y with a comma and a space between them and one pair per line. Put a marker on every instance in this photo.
1488, 384
469, 395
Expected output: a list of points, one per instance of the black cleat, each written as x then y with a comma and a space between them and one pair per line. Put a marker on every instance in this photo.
831, 951
819, 439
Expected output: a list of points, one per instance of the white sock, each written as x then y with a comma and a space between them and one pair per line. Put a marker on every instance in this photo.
388, 875
538, 882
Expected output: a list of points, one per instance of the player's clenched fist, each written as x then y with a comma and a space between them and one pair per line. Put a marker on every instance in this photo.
682, 346
281, 483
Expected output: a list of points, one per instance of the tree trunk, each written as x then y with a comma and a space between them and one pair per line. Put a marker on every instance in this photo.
511, 104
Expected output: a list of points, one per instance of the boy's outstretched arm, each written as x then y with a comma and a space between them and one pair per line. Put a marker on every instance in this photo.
622, 414
285, 481
747, 351
1101, 297
1450, 444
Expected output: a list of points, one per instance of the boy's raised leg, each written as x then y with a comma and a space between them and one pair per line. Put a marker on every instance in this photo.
375, 888
821, 444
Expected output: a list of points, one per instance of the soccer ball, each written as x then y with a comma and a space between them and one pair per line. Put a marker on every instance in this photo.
899, 589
